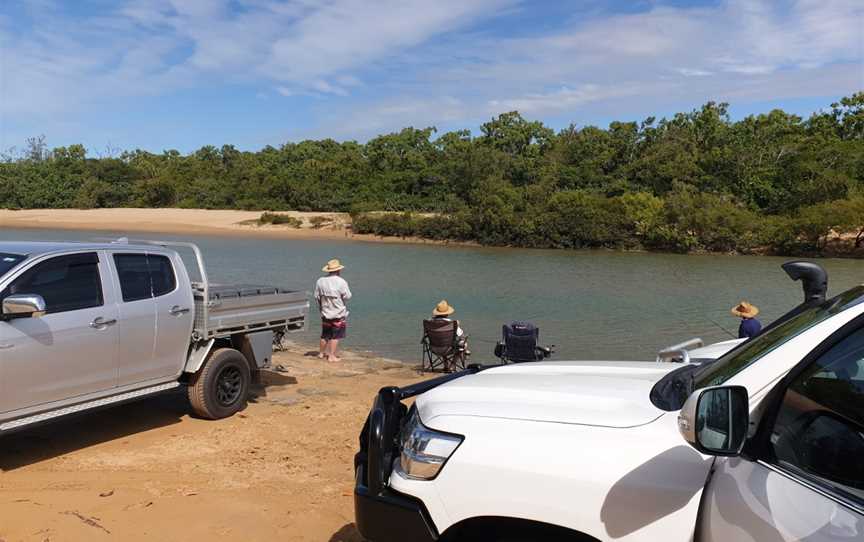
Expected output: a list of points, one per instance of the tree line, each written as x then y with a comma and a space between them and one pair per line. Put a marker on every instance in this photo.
697, 181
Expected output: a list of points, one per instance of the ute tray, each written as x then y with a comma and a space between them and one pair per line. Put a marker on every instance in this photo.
233, 291
235, 308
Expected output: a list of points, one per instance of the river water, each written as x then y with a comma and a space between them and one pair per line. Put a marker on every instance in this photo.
589, 304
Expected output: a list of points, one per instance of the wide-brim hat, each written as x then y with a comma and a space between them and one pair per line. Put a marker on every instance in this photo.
745, 310
333, 266
443, 309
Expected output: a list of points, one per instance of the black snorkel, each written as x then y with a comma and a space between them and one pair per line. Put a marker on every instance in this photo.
671, 391
814, 279
814, 282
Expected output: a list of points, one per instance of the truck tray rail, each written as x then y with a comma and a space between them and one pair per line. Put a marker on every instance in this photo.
244, 307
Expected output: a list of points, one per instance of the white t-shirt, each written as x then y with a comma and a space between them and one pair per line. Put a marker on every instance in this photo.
332, 292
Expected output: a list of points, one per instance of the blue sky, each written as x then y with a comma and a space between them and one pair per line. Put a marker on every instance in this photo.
158, 74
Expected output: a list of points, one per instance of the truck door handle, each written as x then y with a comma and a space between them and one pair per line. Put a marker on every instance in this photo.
176, 310
101, 323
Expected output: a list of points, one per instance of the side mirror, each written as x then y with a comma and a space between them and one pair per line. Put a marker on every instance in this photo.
23, 306
715, 420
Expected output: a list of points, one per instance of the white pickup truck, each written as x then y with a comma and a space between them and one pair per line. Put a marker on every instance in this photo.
772, 447
84, 326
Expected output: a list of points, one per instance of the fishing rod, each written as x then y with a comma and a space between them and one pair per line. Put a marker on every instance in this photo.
721, 327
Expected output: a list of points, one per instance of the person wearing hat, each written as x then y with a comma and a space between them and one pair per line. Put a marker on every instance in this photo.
443, 311
750, 326
331, 293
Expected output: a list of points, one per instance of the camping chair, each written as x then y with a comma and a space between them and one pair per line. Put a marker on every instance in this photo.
520, 343
441, 346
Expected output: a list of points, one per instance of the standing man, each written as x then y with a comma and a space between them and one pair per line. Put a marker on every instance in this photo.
750, 326
332, 292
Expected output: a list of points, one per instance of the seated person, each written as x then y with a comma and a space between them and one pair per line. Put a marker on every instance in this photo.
443, 311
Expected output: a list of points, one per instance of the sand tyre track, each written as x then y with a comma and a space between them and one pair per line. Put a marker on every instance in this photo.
222, 386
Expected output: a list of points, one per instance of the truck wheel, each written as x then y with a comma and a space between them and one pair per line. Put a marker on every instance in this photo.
222, 386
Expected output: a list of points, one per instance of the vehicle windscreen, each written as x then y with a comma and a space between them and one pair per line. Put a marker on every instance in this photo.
673, 389
8, 261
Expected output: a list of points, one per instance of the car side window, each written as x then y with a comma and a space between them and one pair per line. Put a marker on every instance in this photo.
161, 274
144, 276
134, 275
819, 430
66, 283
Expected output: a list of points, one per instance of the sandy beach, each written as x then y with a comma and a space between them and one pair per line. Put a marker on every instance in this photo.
203, 221
198, 221
280, 470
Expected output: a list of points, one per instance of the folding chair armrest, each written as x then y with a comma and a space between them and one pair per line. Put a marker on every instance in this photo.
500, 349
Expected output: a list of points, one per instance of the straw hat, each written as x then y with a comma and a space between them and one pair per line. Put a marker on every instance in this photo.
333, 266
745, 310
443, 309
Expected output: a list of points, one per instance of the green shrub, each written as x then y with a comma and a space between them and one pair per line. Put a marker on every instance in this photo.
155, 193
318, 222
703, 221
276, 218
436, 227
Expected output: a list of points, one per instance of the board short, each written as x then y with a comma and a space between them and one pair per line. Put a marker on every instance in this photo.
335, 328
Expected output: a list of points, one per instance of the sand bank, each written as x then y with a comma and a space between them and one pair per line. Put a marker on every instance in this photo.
280, 470
173, 221
193, 221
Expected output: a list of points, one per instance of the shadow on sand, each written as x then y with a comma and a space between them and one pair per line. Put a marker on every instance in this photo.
81, 431
269, 381
76, 432
348, 533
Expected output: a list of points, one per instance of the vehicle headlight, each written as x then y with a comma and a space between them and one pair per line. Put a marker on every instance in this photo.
424, 450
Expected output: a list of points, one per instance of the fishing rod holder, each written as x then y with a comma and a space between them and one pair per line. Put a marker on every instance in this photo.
679, 353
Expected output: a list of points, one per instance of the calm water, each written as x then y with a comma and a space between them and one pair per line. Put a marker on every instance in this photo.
591, 305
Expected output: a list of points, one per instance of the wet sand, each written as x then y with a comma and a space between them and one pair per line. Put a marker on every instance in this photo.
280, 470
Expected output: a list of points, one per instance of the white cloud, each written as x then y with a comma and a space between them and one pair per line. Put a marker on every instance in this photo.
668, 56
382, 65
563, 99
692, 72
153, 46
349, 81
350, 33
323, 86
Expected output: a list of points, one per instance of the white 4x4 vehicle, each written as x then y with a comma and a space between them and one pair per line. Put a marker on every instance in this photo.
772, 447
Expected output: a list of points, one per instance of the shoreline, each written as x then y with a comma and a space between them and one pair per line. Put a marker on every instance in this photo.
227, 222
335, 227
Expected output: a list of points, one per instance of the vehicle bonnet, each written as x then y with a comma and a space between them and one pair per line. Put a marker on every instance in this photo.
606, 394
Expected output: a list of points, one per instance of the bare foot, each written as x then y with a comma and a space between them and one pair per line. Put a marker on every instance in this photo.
321, 355
334, 358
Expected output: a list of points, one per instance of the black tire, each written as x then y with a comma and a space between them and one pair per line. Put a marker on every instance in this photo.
221, 388
511, 530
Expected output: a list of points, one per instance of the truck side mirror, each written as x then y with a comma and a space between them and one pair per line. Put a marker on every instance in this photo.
23, 306
715, 420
